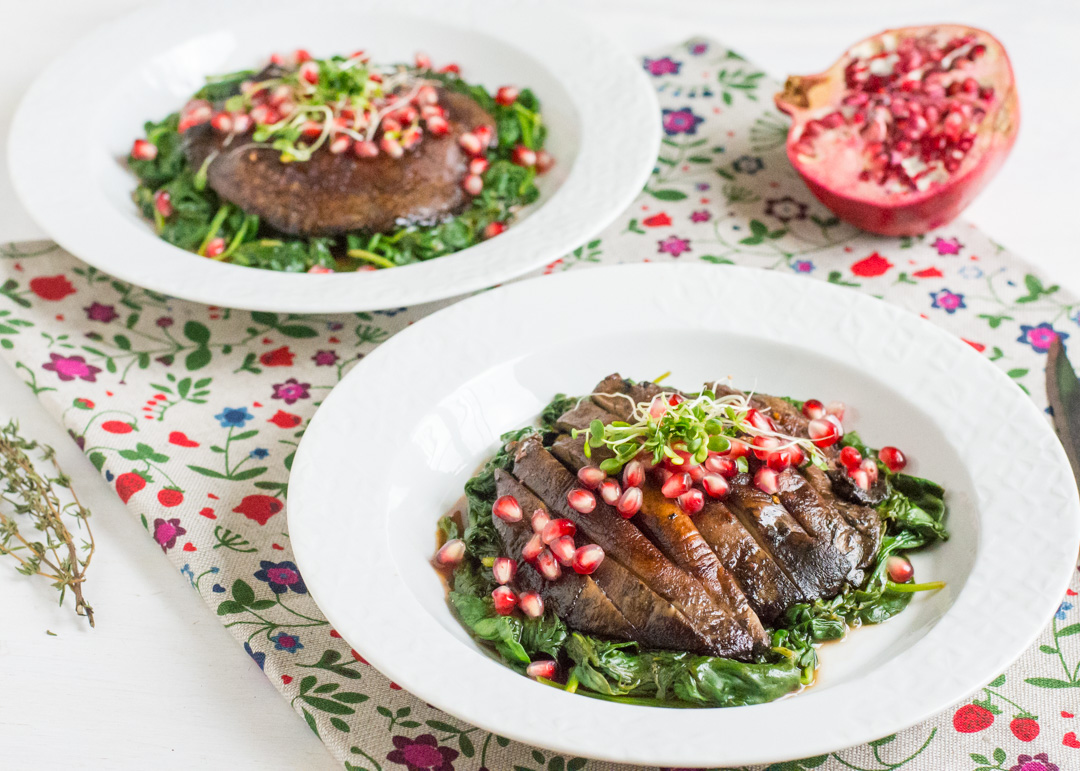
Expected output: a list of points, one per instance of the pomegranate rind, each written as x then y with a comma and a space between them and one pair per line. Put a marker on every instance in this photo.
868, 206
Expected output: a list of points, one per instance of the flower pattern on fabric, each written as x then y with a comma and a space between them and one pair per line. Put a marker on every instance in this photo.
291, 391
663, 66
682, 121
422, 754
71, 367
188, 390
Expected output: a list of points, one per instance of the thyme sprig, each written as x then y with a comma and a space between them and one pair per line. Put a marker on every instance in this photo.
33, 500
672, 423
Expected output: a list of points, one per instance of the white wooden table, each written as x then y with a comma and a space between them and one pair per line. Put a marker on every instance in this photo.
160, 683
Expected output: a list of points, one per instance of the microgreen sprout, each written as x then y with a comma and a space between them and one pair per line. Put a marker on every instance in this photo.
672, 426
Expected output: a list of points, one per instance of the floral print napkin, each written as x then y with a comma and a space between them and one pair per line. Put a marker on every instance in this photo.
193, 414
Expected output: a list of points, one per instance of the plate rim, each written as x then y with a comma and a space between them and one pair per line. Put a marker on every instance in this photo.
694, 277
68, 207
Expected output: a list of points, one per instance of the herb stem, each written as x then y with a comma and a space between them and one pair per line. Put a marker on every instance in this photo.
215, 226
374, 259
928, 586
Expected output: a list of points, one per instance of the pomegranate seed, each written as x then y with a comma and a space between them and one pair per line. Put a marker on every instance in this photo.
390, 125
581, 501
309, 71
311, 129
222, 122
365, 148
451, 69
812, 409
523, 156
658, 407
280, 95
591, 476
143, 150
427, 95
767, 480
860, 478
836, 409
715, 485
263, 115
407, 115
676, 485
431, 111
633, 474
506, 96
823, 433
548, 566
505, 600
738, 449
587, 559
423, 61
899, 569
470, 143
870, 467
563, 549
545, 669
494, 228
539, 521
340, 144
545, 161
718, 464
242, 123
760, 420
850, 457
557, 528
504, 570
391, 147
610, 491
778, 461
411, 137
278, 59
320, 269
375, 77
764, 446
485, 134
531, 604
692, 501
451, 553
507, 508
697, 473
532, 549
472, 184
478, 165
893, 459
163, 203
215, 246
301, 56
437, 125
629, 502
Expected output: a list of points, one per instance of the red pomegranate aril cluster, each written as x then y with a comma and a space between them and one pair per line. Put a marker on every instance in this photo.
591, 476
507, 508
563, 548
143, 150
629, 502
893, 459
581, 501
676, 484
557, 528
913, 106
505, 600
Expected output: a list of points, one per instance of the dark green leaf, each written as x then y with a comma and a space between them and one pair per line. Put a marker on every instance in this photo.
197, 333
242, 592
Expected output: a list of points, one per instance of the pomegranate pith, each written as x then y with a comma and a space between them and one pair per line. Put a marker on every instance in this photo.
899, 135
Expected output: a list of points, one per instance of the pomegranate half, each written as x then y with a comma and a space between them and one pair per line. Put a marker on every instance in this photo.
902, 132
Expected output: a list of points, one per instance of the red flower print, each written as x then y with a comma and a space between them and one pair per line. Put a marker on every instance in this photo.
51, 287
128, 484
422, 754
279, 357
117, 427
83, 404
657, 221
284, 419
180, 439
259, 507
874, 265
971, 718
928, 273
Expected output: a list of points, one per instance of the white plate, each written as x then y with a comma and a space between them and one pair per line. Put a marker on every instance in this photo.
389, 451
76, 124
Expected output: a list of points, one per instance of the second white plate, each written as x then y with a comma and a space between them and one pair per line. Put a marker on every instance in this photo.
389, 452
602, 116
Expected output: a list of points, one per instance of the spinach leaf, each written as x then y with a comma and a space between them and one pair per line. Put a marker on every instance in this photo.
481, 538
560, 404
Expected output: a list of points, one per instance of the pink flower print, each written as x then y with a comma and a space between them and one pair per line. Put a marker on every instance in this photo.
681, 121
98, 312
1039, 337
1040, 762
950, 302
422, 754
700, 216
166, 531
697, 48
674, 246
291, 391
947, 245
71, 367
664, 66
325, 358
